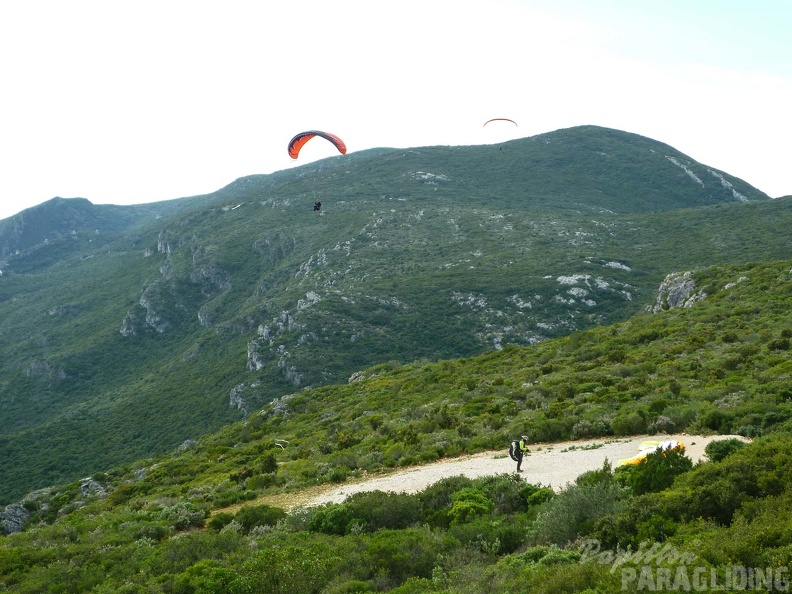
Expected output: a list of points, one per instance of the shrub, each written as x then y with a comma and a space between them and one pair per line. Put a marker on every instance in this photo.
241, 475
717, 420
584, 428
709, 493
351, 587
469, 503
595, 477
416, 586
218, 521
556, 556
656, 528
541, 496
438, 495
575, 511
505, 491
286, 569
183, 515
536, 494
718, 450
261, 481
377, 509
494, 537
333, 518
394, 556
154, 532
618, 530
629, 424
268, 464
251, 516
662, 424
656, 471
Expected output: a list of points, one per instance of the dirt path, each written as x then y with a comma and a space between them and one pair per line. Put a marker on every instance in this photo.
554, 464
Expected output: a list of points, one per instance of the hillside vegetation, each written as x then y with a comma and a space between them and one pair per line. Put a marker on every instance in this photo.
125, 333
720, 365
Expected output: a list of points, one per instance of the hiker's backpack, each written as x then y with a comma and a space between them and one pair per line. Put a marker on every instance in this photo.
514, 447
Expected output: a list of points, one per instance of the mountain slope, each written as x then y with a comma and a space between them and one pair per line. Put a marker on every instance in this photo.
719, 362
166, 330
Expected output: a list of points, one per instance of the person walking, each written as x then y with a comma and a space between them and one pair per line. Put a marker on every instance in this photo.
522, 450
519, 449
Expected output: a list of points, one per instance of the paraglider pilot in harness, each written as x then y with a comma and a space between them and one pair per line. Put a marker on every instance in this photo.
518, 449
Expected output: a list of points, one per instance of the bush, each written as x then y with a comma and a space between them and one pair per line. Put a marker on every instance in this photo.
416, 586
377, 509
656, 471
718, 450
716, 420
536, 494
262, 481
629, 424
594, 477
393, 556
218, 521
493, 537
662, 424
351, 587
251, 516
268, 464
584, 429
469, 503
332, 518
183, 515
575, 511
505, 491
154, 532
438, 495
286, 569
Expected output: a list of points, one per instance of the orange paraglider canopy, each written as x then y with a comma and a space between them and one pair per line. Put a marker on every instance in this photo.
296, 143
500, 120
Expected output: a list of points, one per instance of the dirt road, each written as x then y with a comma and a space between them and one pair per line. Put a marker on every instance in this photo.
553, 464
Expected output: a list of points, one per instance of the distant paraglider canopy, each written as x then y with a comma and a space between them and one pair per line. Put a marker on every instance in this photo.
296, 143
500, 120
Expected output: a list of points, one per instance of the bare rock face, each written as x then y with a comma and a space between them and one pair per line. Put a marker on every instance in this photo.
676, 290
13, 518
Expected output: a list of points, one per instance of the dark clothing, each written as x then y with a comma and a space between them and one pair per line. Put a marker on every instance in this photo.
519, 453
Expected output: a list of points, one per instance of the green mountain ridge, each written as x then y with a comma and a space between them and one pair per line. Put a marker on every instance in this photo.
190, 314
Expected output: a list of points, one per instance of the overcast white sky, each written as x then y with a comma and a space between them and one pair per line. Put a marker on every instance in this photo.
125, 102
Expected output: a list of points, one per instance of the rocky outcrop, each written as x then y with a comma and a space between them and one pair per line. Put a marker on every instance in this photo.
89, 487
185, 445
236, 400
210, 279
678, 289
13, 518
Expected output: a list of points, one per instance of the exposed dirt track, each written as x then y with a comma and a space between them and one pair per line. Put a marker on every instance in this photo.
553, 464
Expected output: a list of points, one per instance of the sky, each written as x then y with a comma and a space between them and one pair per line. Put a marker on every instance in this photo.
128, 102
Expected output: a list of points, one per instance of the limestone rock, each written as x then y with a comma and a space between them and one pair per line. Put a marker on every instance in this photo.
676, 290
13, 518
